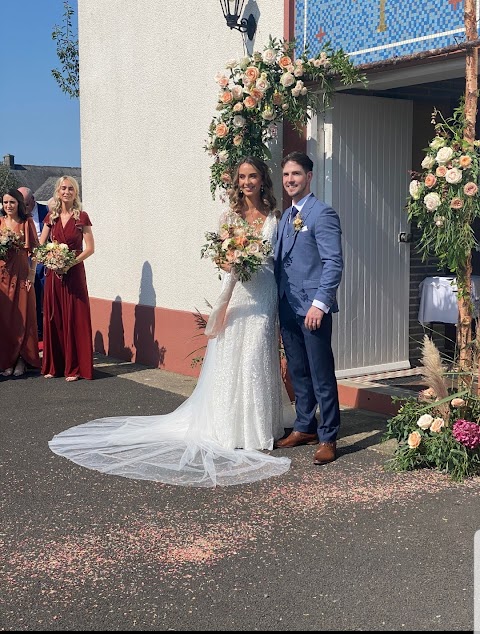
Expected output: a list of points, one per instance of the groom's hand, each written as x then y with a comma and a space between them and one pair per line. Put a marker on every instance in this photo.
313, 318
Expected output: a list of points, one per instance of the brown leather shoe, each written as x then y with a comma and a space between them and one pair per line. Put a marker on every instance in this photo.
295, 439
326, 452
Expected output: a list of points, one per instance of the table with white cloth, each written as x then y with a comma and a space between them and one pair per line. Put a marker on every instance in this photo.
438, 299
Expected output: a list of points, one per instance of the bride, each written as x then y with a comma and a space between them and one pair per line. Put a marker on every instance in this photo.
238, 405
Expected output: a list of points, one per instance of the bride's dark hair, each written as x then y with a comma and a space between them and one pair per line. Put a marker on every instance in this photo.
236, 195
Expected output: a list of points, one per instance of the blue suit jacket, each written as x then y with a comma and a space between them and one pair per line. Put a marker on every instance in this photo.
309, 262
42, 212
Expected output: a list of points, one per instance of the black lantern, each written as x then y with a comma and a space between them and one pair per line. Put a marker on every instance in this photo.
245, 25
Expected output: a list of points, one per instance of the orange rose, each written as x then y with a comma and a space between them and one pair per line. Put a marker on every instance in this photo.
430, 181
465, 161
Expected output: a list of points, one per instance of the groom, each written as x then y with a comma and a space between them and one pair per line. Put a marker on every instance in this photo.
308, 269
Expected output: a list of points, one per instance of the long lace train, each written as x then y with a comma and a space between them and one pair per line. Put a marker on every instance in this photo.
171, 448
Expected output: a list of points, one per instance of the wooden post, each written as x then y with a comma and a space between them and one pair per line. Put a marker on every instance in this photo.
464, 332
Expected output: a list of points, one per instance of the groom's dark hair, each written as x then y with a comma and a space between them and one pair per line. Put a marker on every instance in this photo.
301, 158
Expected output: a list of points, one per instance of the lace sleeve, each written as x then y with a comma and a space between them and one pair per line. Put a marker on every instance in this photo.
227, 217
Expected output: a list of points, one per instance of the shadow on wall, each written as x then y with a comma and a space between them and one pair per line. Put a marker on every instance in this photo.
147, 349
116, 333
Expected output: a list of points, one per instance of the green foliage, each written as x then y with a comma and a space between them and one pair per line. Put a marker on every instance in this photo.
7, 179
67, 77
444, 199
262, 90
425, 444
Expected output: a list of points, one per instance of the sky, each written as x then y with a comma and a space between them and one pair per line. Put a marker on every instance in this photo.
39, 124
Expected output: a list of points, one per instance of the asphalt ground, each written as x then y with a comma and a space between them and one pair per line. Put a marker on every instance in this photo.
347, 546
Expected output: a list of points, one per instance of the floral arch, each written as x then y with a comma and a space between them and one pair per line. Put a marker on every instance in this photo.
264, 89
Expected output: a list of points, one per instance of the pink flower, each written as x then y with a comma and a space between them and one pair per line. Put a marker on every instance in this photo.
441, 171
456, 203
430, 181
467, 433
470, 189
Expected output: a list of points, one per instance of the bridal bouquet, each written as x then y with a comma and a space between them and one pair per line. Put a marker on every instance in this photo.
239, 245
55, 256
9, 240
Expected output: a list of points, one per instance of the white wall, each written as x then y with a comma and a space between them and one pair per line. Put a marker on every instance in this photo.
147, 97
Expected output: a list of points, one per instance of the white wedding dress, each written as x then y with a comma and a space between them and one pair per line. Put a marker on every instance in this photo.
236, 409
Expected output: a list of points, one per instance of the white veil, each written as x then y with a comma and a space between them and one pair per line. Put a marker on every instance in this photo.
174, 448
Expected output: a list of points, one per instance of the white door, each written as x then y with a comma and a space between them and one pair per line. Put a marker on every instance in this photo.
363, 150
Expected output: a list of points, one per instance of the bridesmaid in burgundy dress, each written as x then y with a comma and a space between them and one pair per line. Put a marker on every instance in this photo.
67, 328
18, 333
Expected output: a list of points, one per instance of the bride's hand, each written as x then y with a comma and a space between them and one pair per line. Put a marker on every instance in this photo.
224, 266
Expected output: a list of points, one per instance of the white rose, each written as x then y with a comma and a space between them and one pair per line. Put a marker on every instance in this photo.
269, 56
432, 201
425, 421
231, 63
444, 154
239, 121
268, 114
237, 92
415, 189
287, 79
223, 156
244, 63
453, 176
262, 84
439, 221
50, 246
437, 143
428, 162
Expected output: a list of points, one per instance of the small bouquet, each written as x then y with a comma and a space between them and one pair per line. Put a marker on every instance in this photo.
55, 256
238, 244
9, 239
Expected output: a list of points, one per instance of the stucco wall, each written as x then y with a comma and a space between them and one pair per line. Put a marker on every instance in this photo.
147, 97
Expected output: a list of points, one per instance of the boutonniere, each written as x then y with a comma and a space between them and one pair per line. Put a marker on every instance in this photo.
298, 222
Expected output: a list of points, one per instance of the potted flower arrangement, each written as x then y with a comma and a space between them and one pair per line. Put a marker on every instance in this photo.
259, 91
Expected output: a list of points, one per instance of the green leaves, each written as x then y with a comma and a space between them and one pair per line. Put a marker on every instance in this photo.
67, 77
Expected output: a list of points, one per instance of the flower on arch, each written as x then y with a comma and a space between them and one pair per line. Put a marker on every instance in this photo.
260, 91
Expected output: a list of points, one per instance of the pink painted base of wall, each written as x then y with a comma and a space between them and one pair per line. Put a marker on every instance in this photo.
157, 337
163, 338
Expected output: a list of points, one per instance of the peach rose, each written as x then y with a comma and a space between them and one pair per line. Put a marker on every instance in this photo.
465, 161
470, 189
252, 74
437, 425
238, 107
221, 130
221, 80
241, 241
430, 181
256, 93
456, 203
427, 395
457, 402
237, 140
284, 61
226, 97
226, 178
249, 102
414, 439
441, 171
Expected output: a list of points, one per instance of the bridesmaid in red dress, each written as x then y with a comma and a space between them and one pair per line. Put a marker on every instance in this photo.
67, 328
18, 333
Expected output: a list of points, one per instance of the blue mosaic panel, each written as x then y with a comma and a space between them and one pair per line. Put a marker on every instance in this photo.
372, 30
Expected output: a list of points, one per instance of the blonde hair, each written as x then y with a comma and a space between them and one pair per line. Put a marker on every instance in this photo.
56, 205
